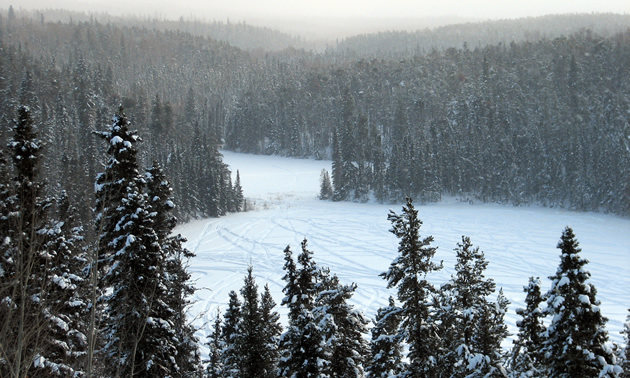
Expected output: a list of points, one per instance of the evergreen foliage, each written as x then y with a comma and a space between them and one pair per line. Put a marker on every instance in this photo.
215, 344
251, 343
143, 297
408, 274
386, 350
343, 326
475, 325
303, 349
325, 190
526, 358
231, 333
575, 343
174, 275
271, 329
40, 271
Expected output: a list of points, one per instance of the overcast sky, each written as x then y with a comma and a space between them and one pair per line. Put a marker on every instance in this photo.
340, 8
255, 11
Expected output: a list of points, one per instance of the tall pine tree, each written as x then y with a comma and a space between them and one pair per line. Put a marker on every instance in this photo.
527, 358
302, 346
231, 333
251, 342
474, 323
138, 330
408, 273
575, 344
272, 329
40, 332
173, 274
215, 344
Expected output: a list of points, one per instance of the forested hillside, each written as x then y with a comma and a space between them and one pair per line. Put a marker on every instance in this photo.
172, 85
520, 121
531, 122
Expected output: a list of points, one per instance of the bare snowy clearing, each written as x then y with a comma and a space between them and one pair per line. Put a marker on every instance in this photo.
354, 241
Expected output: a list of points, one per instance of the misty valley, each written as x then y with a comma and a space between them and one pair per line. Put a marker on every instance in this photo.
216, 199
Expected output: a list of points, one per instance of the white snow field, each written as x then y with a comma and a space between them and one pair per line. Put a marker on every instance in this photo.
354, 241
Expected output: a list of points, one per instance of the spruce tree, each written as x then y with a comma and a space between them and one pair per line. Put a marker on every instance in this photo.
252, 339
344, 327
526, 358
575, 344
173, 274
23, 266
325, 188
238, 198
302, 346
339, 183
231, 334
68, 293
385, 346
473, 321
40, 332
408, 273
490, 331
272, 329
215, 344
138, 329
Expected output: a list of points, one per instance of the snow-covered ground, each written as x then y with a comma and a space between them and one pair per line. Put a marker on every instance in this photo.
354, 241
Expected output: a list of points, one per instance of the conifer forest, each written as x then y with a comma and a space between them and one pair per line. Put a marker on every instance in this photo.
111, 137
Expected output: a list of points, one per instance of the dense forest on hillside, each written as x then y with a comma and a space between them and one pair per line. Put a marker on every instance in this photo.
73, 77
527, 121
533, 122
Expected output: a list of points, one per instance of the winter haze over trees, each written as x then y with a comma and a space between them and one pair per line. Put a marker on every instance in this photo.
115, 130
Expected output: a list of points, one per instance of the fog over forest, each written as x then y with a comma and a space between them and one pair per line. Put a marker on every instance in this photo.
114, 126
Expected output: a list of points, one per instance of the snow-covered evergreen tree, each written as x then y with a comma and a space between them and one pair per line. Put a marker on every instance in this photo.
272, 329
339, 184
526, 358
238, 198
385, 346
408, 273
303, 349
138, 329
215, 344
575, 344
344, 327
173, 273
68, 292
474, 323
251, 342
231, 333
325, 188
490, 331
40, 267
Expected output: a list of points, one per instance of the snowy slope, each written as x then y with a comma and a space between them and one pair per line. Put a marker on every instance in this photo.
355, 242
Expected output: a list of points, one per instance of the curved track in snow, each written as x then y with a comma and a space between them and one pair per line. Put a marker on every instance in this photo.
354, 241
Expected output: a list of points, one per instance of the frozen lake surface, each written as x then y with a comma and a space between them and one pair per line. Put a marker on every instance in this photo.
354, 241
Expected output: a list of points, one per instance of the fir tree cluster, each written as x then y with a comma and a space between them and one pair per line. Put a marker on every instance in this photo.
72, 305
88, 71
454, 330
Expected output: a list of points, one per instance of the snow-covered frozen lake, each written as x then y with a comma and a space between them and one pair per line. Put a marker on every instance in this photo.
354, 241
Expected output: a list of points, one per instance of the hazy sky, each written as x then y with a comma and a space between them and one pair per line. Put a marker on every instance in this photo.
339, 8
255, 11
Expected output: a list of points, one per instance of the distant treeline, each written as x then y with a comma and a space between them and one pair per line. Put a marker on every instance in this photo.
540, 119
